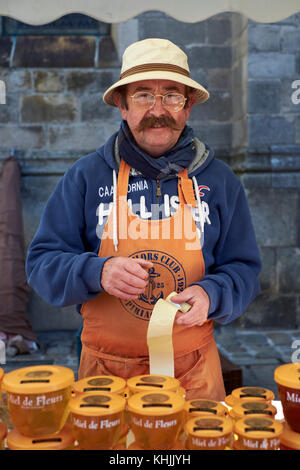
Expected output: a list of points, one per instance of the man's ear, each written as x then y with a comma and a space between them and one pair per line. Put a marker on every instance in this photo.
191, 101
117, 97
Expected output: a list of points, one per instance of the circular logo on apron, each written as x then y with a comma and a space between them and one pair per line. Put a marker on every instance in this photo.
167, 275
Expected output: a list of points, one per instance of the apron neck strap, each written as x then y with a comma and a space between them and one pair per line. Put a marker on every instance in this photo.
185, 184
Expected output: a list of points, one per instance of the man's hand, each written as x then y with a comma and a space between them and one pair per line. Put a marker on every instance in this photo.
125, 278
199, 300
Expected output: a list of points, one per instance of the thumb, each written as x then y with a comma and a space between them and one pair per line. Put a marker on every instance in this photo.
143, 263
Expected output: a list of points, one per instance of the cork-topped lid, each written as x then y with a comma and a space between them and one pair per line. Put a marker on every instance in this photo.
97, 404
252, 393
290, 438
153, 382
62, 440
38, 379
156, 403
206, 426
250, 408
100, 383
204, 406
288, 375
258, 427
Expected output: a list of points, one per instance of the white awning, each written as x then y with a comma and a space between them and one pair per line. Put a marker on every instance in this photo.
38, 12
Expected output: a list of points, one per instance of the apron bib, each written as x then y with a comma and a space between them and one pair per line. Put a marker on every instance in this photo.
114, 330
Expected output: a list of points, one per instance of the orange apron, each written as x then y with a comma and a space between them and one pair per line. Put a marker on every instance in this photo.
114, 335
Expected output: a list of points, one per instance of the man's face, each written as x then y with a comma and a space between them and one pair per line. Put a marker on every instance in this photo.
154, 136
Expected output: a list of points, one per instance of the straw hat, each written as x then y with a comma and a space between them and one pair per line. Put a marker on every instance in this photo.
152, 59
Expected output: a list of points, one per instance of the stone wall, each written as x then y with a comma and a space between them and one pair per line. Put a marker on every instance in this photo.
54, 114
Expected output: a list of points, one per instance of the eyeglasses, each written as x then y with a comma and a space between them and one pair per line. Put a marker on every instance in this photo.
172, 101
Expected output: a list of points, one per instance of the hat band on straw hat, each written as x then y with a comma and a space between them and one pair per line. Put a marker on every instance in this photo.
153, 68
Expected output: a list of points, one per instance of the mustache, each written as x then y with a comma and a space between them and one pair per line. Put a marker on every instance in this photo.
152, 121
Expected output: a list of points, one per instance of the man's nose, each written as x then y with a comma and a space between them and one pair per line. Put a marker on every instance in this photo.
158, 108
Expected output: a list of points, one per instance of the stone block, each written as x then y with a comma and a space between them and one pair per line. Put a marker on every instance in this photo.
289, 269
217, 135
218, 31
107, 53
179, 32
48, 81
16, 80
84, 138
22, 137
273, 213
48, 108
217, 108
210, 56
268, 275
270, 130
93, 108
264, 96
271, 311
289, 96
271, 65
83, 81
297, 56
263, 37
9, 112
5, 51
219, 79
290, 40
297, 130
54, 51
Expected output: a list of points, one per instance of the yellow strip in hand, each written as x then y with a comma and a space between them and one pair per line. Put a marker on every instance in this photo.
159, 338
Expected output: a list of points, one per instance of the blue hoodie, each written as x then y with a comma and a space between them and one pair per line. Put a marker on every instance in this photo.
62, 263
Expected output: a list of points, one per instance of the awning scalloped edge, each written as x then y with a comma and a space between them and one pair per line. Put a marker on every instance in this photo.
38, 12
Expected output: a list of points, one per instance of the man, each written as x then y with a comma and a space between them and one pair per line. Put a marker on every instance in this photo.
149, 213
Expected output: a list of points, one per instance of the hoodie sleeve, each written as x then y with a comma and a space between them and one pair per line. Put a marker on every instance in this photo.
233, 283
58, 266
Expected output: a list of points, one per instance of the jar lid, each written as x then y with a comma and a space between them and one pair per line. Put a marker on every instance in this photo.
38, 379
203, 406
3, 430
289, 437
206, 426
153, 382
250, 408
100, 383
258, 427
97, 404
62, 440
156, 403
288, 375
252, 393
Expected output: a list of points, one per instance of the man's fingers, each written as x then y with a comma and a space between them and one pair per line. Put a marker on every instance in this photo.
138, 267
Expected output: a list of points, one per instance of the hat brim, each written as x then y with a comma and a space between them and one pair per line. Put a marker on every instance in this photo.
201, 93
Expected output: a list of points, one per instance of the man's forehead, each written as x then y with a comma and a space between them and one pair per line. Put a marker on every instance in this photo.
152, 85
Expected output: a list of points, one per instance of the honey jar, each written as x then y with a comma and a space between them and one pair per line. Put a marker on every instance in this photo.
287, 378
257, 433
151, 382
100, 383
97, 419
37, 398
3, 433
156, 419
252, 408
63, 440
289, 439
203, 407
208, 433
249, 394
